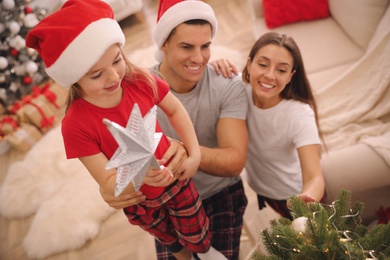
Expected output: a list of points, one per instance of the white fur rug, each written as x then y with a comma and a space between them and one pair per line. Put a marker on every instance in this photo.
65, 199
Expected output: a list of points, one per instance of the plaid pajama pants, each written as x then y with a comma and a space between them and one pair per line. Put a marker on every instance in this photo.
175, 219
225, 211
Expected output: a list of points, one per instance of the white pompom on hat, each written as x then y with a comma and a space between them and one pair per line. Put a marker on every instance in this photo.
71, 40
172, 13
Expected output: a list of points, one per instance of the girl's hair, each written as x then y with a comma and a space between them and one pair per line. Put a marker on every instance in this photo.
299, 87
133, 73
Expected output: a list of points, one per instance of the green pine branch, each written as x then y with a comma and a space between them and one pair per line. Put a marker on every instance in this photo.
331, 232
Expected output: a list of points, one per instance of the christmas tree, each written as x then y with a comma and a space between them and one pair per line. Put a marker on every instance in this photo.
325, 232
20, 67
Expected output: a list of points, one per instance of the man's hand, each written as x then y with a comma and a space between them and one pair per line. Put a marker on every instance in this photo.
175, 155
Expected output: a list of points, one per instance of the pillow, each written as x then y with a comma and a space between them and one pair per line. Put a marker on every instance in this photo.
280, 12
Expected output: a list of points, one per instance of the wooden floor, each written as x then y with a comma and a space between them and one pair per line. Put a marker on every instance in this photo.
117, 239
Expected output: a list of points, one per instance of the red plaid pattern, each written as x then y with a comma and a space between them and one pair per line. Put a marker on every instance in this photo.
177, 215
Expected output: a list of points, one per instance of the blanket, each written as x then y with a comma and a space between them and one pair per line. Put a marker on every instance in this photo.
355, 107
64, 196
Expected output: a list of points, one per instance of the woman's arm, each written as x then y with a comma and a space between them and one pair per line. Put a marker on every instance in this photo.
181, 122
312, 177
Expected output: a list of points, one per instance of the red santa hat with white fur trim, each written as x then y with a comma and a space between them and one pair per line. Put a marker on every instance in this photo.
71, 40
171, 13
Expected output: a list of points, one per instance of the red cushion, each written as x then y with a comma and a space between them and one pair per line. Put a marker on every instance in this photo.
279, 12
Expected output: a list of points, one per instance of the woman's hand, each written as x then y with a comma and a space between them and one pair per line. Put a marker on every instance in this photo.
226, 67
122, 201
306, 198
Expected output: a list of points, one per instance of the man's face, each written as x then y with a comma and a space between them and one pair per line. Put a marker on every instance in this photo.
186, 54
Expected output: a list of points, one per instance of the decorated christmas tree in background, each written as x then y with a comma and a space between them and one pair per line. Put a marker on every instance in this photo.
20, 67
325, 232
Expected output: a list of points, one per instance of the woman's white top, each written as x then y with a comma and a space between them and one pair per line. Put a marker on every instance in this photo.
273, 165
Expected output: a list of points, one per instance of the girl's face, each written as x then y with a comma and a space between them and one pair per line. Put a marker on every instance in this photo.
101, 85
270, 72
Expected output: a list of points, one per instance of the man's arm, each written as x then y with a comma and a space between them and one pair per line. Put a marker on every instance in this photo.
229, 158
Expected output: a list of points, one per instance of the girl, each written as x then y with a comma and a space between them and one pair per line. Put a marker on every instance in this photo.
284, 147
81, 47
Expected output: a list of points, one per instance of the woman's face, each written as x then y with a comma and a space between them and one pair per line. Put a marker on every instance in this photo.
270, 72
102, 83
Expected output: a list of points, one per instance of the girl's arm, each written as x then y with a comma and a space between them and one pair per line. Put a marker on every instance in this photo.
175, 154
106, 179
313, 180
181, 122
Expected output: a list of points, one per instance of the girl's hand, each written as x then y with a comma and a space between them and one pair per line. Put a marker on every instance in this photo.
122, 201
226, 67
159, 178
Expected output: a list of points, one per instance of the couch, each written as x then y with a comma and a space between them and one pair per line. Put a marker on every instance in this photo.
347, 58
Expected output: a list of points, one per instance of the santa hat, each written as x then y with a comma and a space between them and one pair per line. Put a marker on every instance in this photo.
172, 13
71, 40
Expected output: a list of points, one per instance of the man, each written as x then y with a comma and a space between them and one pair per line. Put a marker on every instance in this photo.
217, 107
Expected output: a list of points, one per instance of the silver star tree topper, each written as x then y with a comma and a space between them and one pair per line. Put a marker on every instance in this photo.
137, 144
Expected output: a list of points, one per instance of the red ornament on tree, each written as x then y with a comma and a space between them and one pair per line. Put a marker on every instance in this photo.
28, 10
14, 52
27, 80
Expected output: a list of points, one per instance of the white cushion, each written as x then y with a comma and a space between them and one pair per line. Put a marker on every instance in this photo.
358, 18
323, 43
320, 79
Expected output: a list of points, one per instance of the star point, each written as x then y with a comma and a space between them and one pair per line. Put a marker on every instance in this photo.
137, 143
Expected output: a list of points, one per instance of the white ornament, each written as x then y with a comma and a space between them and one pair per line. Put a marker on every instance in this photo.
3, 94
31, 52
31, 67
137, 144
17, 42
2, 28
14, 27
30, 20
13, 87
299, 224
3, 62
3, 78
19, 70
8, 4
